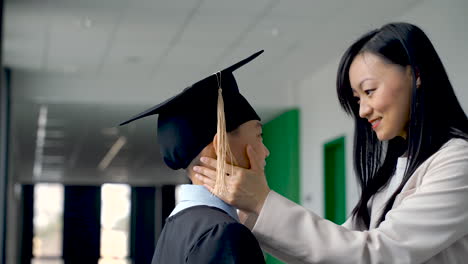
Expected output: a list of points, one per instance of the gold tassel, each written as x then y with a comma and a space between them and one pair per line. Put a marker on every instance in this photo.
223, 148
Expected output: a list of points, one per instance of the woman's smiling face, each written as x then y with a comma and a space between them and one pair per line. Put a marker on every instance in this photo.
383, 92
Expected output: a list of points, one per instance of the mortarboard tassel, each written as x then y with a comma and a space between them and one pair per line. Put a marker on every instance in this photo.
223, 148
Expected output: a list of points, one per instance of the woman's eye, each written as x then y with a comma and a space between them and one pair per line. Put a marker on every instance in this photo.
369, 92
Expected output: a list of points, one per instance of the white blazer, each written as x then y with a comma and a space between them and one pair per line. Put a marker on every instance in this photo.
427, 224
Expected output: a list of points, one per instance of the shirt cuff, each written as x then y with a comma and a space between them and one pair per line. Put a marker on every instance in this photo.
269, 201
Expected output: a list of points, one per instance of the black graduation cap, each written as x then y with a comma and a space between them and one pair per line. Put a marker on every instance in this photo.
187, 122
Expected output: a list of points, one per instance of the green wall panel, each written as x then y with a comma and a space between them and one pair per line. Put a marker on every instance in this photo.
281, 137
335, 180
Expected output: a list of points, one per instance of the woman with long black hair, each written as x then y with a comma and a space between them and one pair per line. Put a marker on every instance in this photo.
410, 158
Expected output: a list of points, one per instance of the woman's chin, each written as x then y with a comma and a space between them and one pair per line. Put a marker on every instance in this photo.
382, 136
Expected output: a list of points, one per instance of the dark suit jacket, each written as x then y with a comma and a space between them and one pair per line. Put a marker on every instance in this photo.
203, 234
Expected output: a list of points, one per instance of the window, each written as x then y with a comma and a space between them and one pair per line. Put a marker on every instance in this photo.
115, 223
47, 223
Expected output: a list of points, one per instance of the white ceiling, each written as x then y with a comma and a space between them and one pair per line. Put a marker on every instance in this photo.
117, 57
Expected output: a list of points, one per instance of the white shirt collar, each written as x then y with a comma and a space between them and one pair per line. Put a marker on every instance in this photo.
194, 195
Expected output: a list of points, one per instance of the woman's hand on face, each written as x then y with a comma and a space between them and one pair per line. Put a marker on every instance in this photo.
247, 189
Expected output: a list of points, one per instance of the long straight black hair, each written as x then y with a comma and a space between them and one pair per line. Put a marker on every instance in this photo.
435, 113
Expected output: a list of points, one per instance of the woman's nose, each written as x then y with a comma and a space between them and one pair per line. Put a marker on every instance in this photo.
364, 110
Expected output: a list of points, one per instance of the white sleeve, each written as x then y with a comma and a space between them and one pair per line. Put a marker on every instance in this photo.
428, 220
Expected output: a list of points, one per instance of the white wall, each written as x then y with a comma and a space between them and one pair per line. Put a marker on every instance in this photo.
322, 121
322, 118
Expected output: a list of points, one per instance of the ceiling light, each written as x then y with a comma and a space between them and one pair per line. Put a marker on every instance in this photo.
274, 32
87, 23
42, 119
84, 23
40, 139
113, 151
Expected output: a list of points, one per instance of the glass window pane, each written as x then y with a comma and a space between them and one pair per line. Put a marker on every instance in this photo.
46, 261
48, 220
114, 261
115, 222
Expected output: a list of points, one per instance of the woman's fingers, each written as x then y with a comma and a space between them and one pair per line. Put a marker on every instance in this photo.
205, 171
205, 175
254, 159
246, 188
230, 169
208, 161
205, 180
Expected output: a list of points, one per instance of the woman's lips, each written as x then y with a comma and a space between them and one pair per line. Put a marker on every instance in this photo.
375, 123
